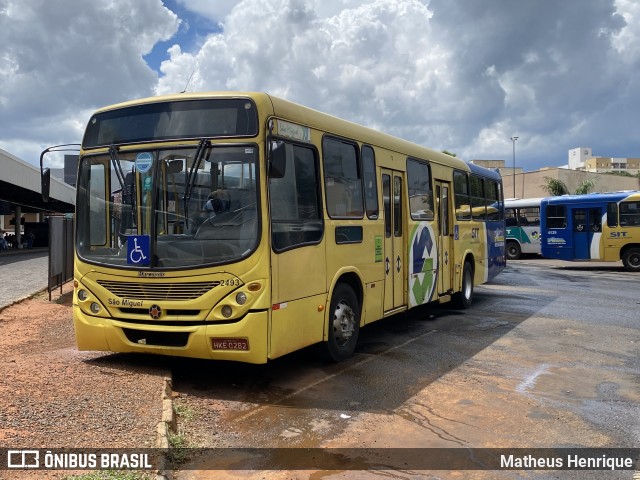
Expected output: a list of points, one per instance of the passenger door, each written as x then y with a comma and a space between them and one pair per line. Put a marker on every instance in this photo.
394, 277
444, 240
587, 227
298, 257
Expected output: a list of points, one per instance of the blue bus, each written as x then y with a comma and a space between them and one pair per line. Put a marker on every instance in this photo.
599, 226
486, 199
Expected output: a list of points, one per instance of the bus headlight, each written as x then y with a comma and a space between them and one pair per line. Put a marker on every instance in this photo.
95, 308
82, 295
227, 311
241, 298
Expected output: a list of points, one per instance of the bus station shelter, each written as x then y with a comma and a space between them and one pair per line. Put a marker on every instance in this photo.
21, 203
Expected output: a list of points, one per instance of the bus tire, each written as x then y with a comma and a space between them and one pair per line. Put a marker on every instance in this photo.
344, 324
513, 251
631, 259
464, 297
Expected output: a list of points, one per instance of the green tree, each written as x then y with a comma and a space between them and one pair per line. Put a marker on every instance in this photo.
555, 187
586, 186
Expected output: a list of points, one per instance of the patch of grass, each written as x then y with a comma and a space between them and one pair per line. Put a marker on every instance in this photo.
184, 411
179, 446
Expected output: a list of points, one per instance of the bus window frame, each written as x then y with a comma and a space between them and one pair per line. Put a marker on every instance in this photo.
414, 213
319, 200
552, 225
370, 192
345, 191
635, 222
456, 195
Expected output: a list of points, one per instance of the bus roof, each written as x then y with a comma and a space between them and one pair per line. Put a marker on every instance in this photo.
485, 172
313, 118
592, 197
522, 202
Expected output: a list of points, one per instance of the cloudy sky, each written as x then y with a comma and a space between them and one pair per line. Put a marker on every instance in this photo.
460, 75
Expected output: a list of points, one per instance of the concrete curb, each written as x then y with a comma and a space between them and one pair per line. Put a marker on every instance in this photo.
28, 296
165, 427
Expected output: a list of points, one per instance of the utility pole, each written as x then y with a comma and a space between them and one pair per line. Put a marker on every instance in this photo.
513, 139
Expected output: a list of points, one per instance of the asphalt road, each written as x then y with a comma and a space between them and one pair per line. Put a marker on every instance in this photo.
547, 357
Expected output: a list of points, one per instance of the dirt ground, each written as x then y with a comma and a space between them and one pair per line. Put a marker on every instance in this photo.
53, 396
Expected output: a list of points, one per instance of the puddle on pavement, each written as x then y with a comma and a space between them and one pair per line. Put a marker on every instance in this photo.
574, 385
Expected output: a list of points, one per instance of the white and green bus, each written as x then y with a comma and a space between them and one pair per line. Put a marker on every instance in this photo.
522, 218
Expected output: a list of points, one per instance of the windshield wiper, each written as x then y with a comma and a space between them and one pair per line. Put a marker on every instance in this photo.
193, 173
113, 153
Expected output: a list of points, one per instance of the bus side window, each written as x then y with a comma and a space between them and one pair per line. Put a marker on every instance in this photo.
296, 212
343, 180
461, 191
420, 194
612, 214
556, 216
629, 214
370, 182
492, 199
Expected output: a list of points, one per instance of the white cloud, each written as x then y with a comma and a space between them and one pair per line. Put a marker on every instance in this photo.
451, 74
372, 63
627, 40
215, 10
60, 59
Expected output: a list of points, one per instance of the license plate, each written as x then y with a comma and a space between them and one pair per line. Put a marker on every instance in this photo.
230, 344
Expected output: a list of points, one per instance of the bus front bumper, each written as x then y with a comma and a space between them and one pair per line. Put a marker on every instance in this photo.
242, 341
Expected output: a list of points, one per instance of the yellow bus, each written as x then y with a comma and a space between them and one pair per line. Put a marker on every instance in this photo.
241, 226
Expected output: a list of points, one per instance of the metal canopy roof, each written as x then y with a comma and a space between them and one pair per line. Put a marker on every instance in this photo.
20, 185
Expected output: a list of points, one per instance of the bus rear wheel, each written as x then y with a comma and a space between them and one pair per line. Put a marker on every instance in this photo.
513, 251
464, 297
631, 259
344, 324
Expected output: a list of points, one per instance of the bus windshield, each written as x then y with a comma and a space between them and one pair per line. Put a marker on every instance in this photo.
179, 208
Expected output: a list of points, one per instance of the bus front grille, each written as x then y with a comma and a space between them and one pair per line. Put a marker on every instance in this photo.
158, 291
159, 339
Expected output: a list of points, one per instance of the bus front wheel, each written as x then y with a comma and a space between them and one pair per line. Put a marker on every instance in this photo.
513, 251
344, 323
464, 297
631, 259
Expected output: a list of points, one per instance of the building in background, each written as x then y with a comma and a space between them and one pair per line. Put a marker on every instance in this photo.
582, 158
69, 172
530, 184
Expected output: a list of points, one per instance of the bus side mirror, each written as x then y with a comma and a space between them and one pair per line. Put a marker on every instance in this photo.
45, 184
277, 160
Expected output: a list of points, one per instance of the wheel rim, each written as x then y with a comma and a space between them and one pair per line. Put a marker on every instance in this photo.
634, 260
513, 251
344, 323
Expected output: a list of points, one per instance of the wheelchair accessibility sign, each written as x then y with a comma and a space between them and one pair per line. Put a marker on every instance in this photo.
138, 250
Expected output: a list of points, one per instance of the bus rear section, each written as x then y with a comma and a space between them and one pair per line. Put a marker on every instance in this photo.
522, 217
595, 227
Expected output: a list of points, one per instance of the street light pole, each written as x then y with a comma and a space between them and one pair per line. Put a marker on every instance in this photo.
513, 139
